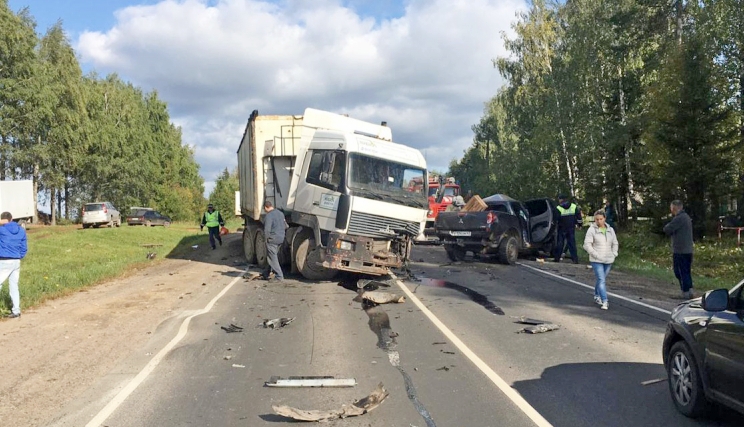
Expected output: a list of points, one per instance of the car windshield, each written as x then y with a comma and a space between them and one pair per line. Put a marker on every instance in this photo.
450, 191
91, 207
390, 180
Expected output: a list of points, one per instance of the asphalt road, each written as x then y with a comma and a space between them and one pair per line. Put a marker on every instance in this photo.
587, 373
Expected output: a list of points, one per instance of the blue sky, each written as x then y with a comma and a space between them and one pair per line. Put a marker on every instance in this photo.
424, 66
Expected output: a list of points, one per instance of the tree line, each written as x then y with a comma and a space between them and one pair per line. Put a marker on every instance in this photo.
85, 138
637, 102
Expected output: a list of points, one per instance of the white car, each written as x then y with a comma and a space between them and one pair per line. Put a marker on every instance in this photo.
100, 213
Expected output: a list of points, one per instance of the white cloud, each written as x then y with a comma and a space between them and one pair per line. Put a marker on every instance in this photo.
427, 73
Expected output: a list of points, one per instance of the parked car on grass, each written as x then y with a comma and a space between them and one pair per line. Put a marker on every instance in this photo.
704, 352
100, 213
149, 218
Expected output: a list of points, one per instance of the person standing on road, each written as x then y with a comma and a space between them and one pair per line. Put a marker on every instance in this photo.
13, 247
274, 227
213, 220
602, 245
570, 220
680, 230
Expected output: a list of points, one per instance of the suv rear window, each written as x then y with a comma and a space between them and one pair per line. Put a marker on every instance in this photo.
140, 212
90, 207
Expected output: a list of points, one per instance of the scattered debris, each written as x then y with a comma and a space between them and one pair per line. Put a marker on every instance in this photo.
195, 247
538, 329
447, 352
235, 365
227, 357
360, 407
277, 323
654, 381
231, 328
528, 321
251, 275
151, 255
323, 381
150, 245
382, 297
438, 343
443, 368
394, 334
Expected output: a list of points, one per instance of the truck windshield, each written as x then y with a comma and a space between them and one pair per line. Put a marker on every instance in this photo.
388, 179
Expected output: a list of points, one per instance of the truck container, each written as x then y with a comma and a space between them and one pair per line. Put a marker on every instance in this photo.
344, 189
17, 197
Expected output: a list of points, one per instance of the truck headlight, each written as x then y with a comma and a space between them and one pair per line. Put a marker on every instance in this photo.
345, 245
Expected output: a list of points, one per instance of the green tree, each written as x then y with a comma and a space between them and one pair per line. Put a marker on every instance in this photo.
223, 194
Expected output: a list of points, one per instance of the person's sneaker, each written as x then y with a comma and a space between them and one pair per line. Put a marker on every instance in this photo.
690, 294
214, 247
14, 315
605, 305
597, 300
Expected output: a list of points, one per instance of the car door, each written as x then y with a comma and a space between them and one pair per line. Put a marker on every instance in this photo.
724, 349
541, 219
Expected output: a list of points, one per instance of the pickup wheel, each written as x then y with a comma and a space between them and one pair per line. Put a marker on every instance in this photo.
455, 253
249, 246
508, 251
260, 245
307, 259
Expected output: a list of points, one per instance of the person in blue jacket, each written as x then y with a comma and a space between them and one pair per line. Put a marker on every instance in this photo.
13, 247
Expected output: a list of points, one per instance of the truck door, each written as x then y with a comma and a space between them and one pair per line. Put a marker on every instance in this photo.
542, 223
323, 184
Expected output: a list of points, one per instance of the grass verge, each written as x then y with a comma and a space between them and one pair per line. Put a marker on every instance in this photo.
65, 259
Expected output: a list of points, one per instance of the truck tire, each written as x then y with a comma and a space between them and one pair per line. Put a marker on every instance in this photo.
509, 251
260, 246
307, 257
455, 253
249, 244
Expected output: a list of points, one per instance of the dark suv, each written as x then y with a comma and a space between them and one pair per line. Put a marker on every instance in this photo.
704, 351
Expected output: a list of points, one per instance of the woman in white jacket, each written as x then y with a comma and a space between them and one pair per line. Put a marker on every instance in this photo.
601, 244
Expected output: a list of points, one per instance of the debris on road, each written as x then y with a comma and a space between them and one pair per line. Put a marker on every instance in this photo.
360, 407
151, 255
378, 297
321, 381
443, 368
195, 247
235, 365
251, 275
231, 328
654, 381
277, 323
538, 329
528, 321
438, 343
447, 352
227, 357
371, 284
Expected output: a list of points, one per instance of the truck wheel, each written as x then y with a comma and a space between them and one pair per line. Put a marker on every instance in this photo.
307, 259
260, 246
249, 247
508, 251
455, 253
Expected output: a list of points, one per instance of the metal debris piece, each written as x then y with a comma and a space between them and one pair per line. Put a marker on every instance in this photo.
231, 328
443, 368
360, 407
378, 297
653, 381
528, 321
447, 352
277, 323
322, 381
235, 365
538, 329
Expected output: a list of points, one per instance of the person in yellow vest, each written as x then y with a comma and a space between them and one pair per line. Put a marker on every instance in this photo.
213, 220
570, 219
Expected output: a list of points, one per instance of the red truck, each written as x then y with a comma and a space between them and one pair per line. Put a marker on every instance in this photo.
442, 192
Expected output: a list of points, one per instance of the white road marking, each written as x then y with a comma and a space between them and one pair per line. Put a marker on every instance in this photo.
614, 295
505, 388
147, 370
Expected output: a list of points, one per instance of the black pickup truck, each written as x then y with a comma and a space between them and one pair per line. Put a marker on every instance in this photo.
507, 227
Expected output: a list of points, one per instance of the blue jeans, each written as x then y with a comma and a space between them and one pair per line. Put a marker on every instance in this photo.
10, 269
600, 287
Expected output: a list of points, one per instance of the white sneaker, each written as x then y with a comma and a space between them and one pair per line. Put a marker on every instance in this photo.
597, 300
605, 305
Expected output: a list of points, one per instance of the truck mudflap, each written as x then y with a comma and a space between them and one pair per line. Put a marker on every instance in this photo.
357, 254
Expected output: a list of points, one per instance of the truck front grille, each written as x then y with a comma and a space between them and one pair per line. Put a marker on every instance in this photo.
364, 224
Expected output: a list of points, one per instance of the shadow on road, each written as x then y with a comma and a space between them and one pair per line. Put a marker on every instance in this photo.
196, 248
611, 394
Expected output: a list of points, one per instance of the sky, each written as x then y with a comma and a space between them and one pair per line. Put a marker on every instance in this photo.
423, 66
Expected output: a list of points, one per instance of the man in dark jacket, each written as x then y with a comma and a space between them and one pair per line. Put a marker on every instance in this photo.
213, 220
680, 230
13, 247
274, 227
569, 219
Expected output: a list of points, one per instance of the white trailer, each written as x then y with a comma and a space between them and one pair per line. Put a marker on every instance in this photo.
17, 197
343, 186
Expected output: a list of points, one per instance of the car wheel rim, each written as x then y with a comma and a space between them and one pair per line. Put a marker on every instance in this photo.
682, 379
